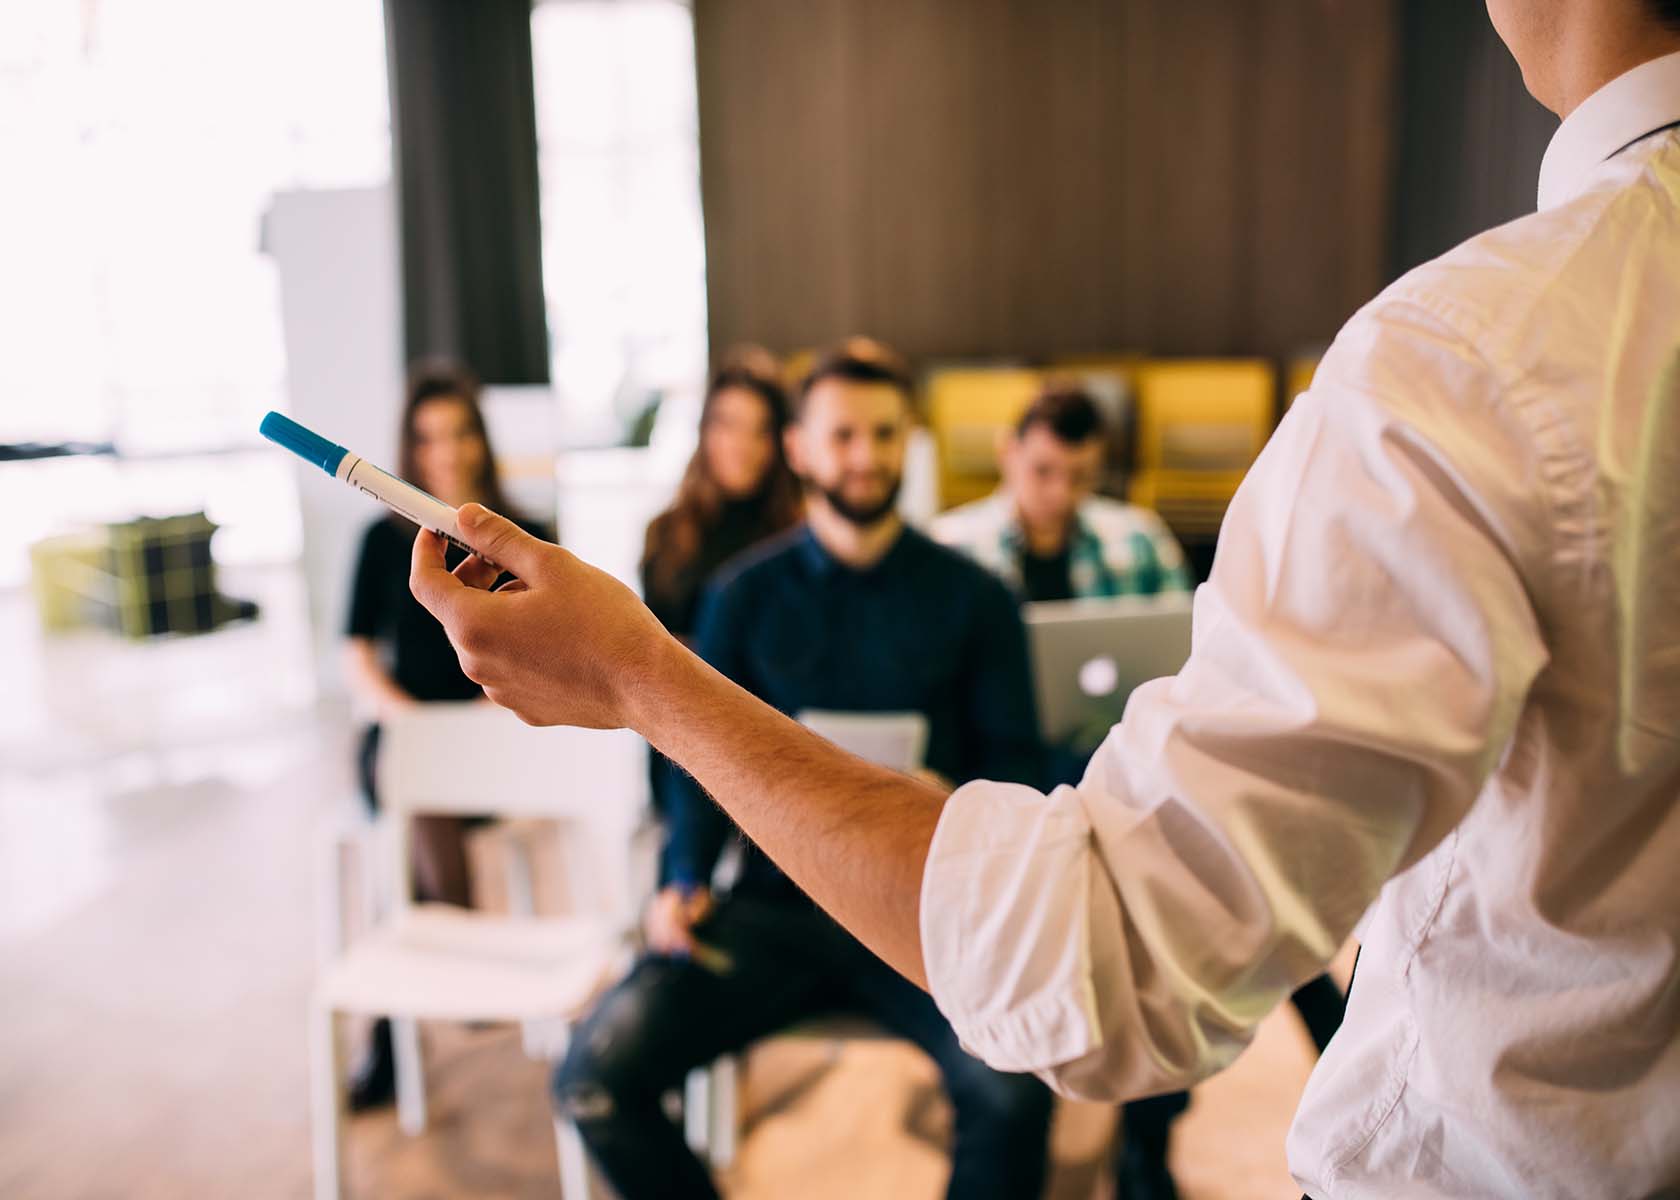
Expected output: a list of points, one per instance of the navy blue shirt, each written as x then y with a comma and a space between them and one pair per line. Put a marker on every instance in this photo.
924, 630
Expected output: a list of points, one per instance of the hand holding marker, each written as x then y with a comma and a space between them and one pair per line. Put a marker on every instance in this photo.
424, 509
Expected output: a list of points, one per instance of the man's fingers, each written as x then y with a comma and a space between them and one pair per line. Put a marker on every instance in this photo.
443, 595
476, 573
428, 571
501, 541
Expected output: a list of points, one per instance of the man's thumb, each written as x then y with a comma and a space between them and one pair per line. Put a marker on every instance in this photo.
500, 540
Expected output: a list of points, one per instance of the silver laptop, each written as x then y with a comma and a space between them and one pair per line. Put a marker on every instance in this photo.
1088, 655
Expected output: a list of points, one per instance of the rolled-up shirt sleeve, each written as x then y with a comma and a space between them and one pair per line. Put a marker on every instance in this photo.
1360, 656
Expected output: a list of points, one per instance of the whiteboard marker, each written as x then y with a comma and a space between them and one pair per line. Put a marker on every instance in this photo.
403, 498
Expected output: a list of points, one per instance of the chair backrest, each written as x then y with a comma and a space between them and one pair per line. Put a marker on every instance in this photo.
1203, 414
967, 406
476, 759
1200, 424
890, 739
918, 493
1298, 376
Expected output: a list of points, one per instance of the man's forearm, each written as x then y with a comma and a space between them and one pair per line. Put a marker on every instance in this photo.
855, 836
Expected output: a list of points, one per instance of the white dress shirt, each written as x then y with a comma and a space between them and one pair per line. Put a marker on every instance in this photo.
1435, 690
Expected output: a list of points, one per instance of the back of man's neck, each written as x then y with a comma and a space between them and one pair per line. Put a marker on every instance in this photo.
856, 546
1596, 57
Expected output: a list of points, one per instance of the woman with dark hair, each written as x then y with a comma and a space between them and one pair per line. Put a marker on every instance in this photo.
397, 655
736, 491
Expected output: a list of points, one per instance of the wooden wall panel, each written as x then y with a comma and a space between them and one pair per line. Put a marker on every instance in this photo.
1470, 136
1033, 177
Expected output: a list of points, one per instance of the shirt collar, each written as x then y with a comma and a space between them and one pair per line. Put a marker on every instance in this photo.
822, 564
1623, 111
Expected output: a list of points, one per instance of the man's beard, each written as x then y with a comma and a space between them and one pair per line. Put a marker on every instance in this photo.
863, 516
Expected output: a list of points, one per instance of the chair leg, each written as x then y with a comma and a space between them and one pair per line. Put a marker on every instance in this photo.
326, 1109
411, 1081
697, 1107
329, 903
343, 893
521, 888
725, 1114
522, 903
577, 1173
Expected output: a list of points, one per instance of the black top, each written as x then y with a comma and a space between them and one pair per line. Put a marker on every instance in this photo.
739, 524
423, 663
1046, 576
924, 630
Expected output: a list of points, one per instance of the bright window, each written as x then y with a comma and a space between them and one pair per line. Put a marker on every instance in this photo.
624, 260
143, 140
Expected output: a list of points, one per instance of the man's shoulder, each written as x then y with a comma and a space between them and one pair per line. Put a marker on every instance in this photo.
1495, 290
1110, 518
950, 564
968, 522
758, 562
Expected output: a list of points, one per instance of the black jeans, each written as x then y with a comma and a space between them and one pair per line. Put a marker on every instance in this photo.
1321, 1007
785, 963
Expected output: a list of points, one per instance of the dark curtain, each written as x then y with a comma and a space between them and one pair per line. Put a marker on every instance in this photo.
464, 134
1471, 137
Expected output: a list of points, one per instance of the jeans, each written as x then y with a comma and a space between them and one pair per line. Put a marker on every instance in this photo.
1321, 1006
775, 965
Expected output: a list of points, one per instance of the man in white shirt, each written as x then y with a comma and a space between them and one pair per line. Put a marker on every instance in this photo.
1434, 690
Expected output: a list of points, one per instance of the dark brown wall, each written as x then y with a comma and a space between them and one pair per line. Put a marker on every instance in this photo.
1032, 177
1470, 136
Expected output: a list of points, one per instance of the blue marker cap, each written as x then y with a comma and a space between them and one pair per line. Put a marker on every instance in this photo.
307, 445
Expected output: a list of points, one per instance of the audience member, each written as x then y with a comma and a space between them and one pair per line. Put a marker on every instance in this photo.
398, 655
1046, 534
1044, 531
737, 491
851, 611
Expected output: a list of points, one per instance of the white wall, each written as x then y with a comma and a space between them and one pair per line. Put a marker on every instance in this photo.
341, 310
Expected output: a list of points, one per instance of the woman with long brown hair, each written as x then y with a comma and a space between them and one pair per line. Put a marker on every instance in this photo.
737, 490
396, 653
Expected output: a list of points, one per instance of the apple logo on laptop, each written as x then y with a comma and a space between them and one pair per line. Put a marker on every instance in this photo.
1099, 677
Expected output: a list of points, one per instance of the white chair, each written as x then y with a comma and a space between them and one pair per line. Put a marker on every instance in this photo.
711, 1105
897, 739
425, 961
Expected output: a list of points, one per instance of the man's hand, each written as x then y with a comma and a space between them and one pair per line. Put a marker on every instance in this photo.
564, 644
671, 918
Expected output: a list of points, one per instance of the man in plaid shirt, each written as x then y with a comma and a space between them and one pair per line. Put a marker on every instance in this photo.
1044, 532
1049, 537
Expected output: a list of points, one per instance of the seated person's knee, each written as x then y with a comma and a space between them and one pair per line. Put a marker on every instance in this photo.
603, 1067
582, 1093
